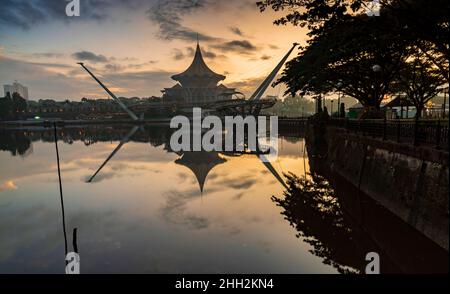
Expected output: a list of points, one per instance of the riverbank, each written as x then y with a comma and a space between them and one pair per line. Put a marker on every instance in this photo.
412, 182
285, 124
46, 123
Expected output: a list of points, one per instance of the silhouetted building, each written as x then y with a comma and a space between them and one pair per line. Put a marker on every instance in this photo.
197, 85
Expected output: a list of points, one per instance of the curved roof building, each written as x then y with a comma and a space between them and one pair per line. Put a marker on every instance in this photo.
197, 85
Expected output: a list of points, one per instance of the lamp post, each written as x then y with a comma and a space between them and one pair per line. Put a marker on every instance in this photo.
376, 69
339, 87
319, 104
445, 100
331, 113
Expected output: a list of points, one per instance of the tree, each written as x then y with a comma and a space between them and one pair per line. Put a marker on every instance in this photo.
420, 81
416, 21
316, 15
346, 44
5, 107
292, 107
425, 24
19, 104
347, 55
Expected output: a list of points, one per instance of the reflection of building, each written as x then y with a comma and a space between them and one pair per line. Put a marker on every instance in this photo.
16, 88
197, 85
200, 163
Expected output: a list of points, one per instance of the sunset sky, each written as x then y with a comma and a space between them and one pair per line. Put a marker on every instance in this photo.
136, 45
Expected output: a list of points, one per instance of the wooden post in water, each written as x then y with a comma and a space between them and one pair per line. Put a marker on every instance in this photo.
60, 190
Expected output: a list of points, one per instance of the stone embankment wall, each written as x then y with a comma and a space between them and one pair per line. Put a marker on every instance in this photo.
412, 182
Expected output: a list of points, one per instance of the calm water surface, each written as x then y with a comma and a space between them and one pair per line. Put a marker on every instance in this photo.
151, 210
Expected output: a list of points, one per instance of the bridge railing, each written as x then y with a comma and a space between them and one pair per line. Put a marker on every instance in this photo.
423, 132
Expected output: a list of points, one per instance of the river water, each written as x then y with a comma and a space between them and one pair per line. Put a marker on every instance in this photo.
152, 210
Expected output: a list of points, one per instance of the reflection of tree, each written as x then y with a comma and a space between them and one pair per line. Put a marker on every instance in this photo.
292, 107
313, 210
90, 134
15, 142
291, 139
156, 135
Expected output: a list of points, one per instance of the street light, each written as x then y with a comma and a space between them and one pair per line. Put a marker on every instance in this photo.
339, 87
445, 100
376, 69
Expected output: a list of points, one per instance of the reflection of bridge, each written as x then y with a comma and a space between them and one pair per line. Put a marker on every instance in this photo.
199, 162
19, 141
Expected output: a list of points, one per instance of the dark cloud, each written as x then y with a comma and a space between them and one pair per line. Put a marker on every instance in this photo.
140, 65
113, 67
236, 46
47, 64
39, 80
142, 83
167, 14
22, 14
89, 56
265, 57
208, 54
247, 86
191, 51
25, 13
48, 55
178, 54
44, 83
236, 31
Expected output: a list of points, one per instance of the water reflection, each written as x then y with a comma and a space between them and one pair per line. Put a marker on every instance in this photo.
15, 142
123, 141
325, 217
142, 210
143, 213
199, 162
311, 207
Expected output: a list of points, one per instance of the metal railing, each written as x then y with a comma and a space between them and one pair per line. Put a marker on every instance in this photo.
423, 132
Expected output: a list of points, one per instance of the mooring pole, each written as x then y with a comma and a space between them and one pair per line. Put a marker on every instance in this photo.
60, 190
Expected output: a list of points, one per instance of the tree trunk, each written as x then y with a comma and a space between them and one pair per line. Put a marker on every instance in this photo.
418, 112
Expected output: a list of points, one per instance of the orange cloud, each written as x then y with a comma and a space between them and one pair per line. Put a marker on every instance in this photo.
8, 185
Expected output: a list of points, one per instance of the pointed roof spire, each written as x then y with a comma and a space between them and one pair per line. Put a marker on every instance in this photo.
198, 73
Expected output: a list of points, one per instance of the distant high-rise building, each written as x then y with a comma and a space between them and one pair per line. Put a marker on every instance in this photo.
16, 88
